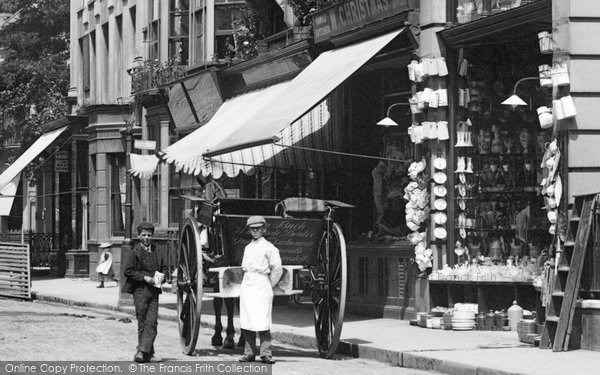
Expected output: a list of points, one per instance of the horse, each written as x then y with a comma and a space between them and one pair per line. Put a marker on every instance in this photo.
216, 260
217, 339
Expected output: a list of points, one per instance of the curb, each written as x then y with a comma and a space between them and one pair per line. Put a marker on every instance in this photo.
407, 359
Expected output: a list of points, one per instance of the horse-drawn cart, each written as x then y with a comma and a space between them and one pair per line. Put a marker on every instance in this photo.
311, 245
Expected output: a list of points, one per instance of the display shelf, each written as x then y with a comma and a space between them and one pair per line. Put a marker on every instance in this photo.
502, 229
508, 192
489, 295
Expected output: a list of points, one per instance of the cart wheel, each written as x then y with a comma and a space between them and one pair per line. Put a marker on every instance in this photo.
189, 285
330, 298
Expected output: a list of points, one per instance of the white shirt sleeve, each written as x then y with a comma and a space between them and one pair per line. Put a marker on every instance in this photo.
274, 265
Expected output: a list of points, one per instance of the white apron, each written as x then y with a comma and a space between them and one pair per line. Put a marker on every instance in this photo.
256, 302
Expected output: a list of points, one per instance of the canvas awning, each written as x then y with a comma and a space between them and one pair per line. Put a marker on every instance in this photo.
299, 113
187, 153
7, 195
27, 157
305, 92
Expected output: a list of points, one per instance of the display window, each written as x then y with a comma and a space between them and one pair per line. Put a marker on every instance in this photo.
500, 215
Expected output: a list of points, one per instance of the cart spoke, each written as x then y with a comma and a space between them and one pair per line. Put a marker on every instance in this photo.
184, 251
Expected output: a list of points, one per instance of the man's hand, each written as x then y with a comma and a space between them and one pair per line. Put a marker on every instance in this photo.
148, 279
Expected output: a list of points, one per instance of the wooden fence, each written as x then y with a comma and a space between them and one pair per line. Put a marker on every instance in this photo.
15, 275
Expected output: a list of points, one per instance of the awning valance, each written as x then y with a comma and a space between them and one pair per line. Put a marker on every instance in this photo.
27, 157
143, 166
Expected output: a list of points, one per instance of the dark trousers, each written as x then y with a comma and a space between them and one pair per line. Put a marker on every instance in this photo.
265, 342
145, 300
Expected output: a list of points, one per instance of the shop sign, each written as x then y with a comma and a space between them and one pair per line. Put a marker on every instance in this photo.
233, 193
61, 162
144, 145
352, 14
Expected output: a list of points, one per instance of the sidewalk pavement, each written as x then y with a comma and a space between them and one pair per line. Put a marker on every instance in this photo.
386, 340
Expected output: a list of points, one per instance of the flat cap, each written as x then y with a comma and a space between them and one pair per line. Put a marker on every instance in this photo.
256, 221
145, 226
105, 245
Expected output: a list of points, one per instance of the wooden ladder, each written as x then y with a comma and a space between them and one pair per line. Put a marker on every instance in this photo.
561, 307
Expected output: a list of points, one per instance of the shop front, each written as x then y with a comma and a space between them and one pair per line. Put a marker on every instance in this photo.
316, 135
48, 187
494, 204
497, 229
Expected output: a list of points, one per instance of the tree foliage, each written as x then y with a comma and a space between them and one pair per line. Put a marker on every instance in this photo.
34, 79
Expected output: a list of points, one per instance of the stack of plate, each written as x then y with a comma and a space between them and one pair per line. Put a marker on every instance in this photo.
447, 321
463, 320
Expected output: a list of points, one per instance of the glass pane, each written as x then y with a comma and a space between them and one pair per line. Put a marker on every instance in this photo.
174, 207
179, 51
117, 189
225, 47
224, 16
154, 199
179, 25
199, 37
179, 5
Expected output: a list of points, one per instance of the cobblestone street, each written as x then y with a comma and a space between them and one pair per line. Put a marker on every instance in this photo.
44, 331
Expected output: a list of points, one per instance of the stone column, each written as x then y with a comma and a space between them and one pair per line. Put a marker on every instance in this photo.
575, 31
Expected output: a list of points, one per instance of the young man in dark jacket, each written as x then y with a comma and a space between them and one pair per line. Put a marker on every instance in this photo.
144, 272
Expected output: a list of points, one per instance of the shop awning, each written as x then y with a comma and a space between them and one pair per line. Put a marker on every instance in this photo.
7, 195
27, 157
310, 88
187, 154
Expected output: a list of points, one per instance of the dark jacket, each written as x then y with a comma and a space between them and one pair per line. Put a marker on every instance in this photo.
140, 263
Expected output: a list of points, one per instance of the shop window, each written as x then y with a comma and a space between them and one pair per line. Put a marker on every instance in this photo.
174, 193
117, 193
500, 215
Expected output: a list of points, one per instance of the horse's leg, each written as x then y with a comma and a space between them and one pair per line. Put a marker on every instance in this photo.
242, 340
229, 343
217, 340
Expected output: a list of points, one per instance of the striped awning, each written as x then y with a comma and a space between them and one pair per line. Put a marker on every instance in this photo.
27, 157
257, 129
306, 91
7, 195
187, 153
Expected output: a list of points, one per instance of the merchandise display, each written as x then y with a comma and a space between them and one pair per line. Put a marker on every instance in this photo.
429, 130
500, 205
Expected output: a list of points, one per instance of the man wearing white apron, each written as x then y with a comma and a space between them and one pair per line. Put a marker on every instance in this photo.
262, 270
